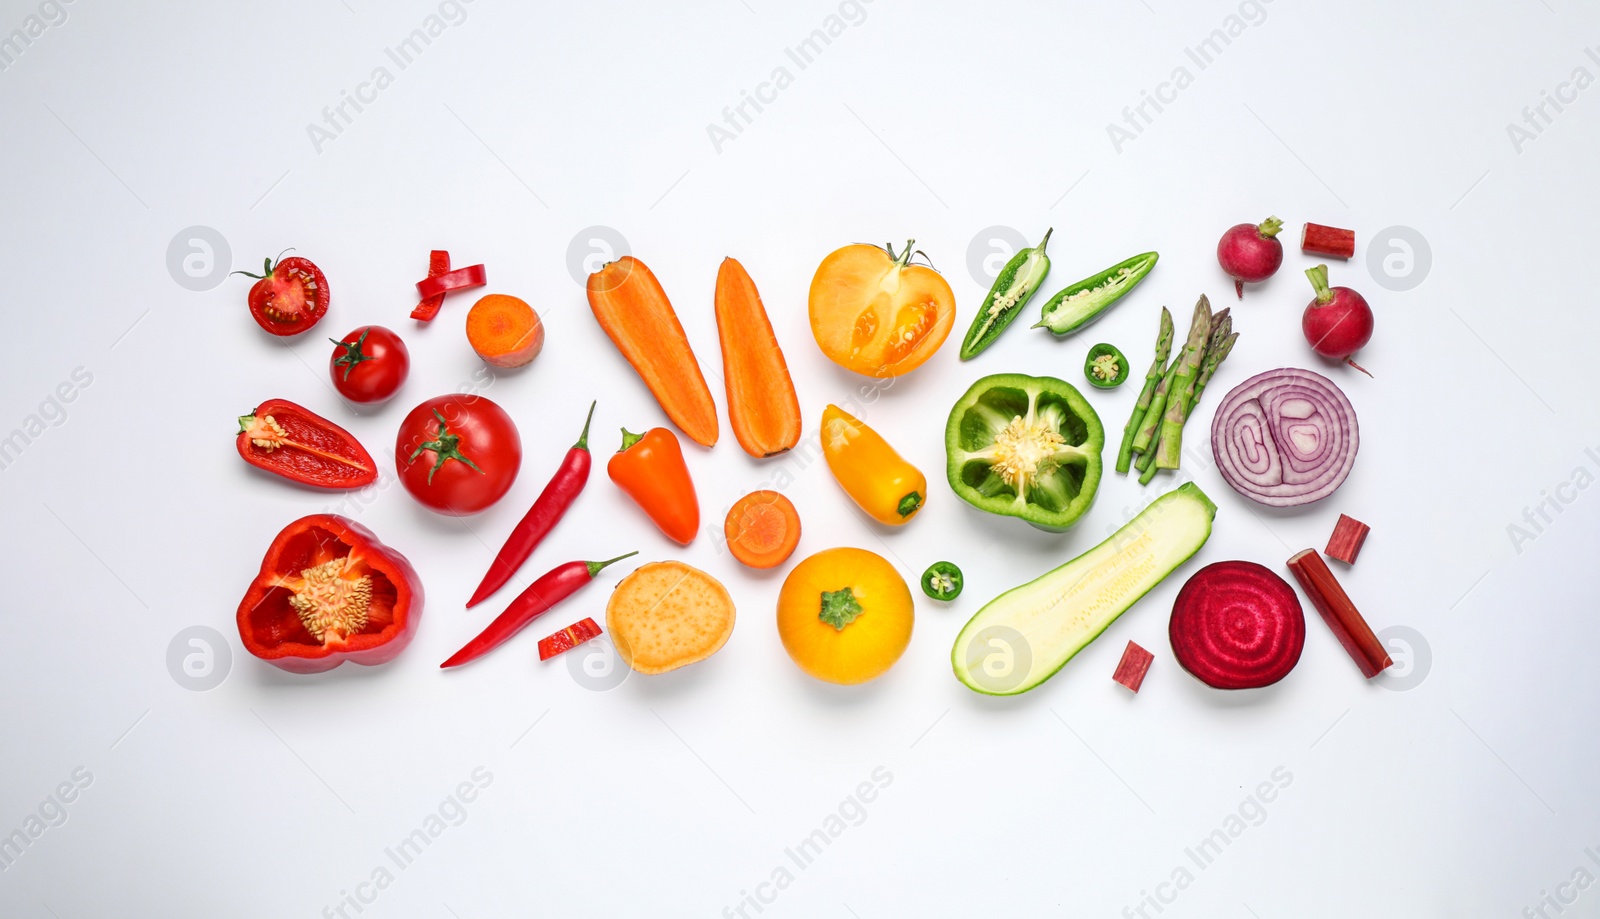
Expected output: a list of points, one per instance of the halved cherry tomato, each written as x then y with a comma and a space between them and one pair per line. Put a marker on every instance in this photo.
458, 454
289, 296
369, 364
874, 312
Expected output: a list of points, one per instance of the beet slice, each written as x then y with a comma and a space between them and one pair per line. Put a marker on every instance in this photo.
1237, 625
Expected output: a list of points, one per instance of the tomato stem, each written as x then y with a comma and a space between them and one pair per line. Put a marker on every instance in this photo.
352, 352
445, 446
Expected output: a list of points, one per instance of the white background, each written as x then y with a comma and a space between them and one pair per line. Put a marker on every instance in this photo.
132, 519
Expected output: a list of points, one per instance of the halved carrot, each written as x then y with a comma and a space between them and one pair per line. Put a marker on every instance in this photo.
762, 406
504, 330
634, 311
762, 529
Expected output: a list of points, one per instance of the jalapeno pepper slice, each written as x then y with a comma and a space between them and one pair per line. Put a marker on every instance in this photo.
942, 581
1105, 366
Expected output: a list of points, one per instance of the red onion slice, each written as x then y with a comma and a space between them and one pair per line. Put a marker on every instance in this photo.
1285, 437
1237, 625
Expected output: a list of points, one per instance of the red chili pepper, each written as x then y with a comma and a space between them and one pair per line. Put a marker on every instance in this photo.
302, 446
551, 588
460, 279
441, 280
541, 518
568, 638
329, 592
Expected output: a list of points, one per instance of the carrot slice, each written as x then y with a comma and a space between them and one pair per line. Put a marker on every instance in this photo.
504, 330
762, 406
634, 311
762, 529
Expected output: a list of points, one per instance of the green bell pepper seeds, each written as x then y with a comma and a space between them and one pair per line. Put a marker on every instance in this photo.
1026, 447
1010, 292
1105, 366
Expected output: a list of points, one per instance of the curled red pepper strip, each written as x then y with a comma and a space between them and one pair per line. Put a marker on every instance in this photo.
438, 264
460, 279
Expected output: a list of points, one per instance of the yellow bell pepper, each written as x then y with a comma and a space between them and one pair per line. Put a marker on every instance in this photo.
887, 487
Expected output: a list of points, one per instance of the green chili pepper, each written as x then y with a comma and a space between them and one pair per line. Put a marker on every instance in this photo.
1105, 366
1080, 304
1010, 293
1025, 447
942, 581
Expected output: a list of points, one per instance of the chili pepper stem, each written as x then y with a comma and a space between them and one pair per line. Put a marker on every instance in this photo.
596, 567
1046, 241
629, 439
583, 439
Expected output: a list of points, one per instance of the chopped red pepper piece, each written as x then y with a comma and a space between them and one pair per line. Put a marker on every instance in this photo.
329, 591
568, 638
441, 280
1345, 543
1339, 613
1133, 666
460, 279
438, 264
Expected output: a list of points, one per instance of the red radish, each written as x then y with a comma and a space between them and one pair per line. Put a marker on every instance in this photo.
1338, 323
1236, 625
1249, 252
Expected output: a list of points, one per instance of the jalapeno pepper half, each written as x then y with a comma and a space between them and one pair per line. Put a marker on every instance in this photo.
1105, 366
942, 581
1025, 447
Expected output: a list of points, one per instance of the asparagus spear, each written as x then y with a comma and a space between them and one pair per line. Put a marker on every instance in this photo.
1151, 380
1143, 440
1214, 357
1188, 364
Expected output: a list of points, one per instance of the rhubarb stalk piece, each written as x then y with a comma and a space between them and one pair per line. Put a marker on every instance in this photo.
1133, 666
1345, 543
1339, 613
1332, 242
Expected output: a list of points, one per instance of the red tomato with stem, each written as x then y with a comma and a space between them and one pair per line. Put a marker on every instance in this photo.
369, 364
289, 296
458, 454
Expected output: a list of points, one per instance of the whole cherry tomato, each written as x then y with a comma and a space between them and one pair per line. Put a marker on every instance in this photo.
369, 364
458, 454
289, 296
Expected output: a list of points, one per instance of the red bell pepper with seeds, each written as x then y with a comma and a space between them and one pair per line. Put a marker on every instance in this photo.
302, 446
329, 592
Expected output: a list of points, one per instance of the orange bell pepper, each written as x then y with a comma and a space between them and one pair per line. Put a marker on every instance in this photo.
650, 469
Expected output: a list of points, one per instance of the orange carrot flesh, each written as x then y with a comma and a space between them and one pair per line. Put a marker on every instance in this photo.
635, 313
762, 406
762, 529
504, 330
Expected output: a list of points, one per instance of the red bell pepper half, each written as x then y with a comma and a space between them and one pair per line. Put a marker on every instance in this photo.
302, 446
329, 591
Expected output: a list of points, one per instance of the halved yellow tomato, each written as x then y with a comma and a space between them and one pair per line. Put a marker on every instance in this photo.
874, 312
